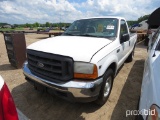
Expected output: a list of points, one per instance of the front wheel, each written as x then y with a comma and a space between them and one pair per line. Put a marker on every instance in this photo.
106, 87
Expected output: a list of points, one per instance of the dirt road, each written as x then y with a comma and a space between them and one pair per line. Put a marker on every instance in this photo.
42, 106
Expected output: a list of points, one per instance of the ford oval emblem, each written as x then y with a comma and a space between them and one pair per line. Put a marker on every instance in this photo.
40, 64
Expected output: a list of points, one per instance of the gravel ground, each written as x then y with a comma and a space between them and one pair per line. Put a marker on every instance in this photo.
43, 106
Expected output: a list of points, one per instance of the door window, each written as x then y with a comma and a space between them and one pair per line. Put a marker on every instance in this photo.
154, 38
123, 29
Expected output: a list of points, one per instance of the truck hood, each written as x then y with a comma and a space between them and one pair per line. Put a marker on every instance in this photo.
79, 48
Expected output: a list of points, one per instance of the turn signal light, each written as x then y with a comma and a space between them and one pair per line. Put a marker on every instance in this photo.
94, 75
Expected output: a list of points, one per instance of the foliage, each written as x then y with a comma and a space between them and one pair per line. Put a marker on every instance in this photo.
28, 25
145, 17
1, 24
10, 29
130, 23
36, 24
47, 24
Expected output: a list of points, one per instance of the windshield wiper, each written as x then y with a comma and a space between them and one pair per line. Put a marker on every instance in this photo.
68, 34
88, 35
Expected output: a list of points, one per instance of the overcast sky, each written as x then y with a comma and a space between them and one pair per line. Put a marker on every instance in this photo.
31, 11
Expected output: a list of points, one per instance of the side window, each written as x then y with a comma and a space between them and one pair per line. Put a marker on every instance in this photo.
123, 29
155, 37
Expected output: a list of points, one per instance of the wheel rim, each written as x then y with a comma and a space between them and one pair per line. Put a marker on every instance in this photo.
107, 87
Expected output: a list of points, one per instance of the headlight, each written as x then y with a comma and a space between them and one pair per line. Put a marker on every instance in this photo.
154, 113
85, 70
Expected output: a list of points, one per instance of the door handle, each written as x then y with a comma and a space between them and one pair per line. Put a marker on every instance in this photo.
118, 50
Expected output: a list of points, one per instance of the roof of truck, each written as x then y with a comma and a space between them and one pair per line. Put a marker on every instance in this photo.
104, 17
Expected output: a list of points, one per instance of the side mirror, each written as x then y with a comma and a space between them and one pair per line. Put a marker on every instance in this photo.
124, 38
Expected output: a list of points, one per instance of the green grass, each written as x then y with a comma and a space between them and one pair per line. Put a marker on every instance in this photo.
10, 29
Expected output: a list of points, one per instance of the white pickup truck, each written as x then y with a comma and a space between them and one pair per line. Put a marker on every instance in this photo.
80, 65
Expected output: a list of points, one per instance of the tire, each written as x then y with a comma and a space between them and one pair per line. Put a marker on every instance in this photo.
106, 87
138, 103
146, 41
131, 56
139, 117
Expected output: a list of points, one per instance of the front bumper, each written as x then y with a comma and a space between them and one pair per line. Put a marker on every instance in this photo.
74, 90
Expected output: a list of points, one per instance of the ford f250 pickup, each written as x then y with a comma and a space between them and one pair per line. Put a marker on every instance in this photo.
80, 65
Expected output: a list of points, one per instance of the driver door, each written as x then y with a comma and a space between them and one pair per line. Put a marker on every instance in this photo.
124, 46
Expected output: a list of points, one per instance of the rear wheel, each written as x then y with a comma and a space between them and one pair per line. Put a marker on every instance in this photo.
131, 56
106, 87
146, 41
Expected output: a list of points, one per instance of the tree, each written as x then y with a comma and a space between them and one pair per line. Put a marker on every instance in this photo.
28, 25
54, 25
1, 24
142, 18
145, 17
15, 25
47, 24
130, 23
36, 24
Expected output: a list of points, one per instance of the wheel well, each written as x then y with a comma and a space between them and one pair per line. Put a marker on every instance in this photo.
113, 66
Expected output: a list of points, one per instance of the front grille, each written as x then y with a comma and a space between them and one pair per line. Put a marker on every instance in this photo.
50, 66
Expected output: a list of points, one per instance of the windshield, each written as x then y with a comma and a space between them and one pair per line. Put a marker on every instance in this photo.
95, 27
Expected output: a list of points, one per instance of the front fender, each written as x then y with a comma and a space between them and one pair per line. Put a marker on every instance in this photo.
106, 62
